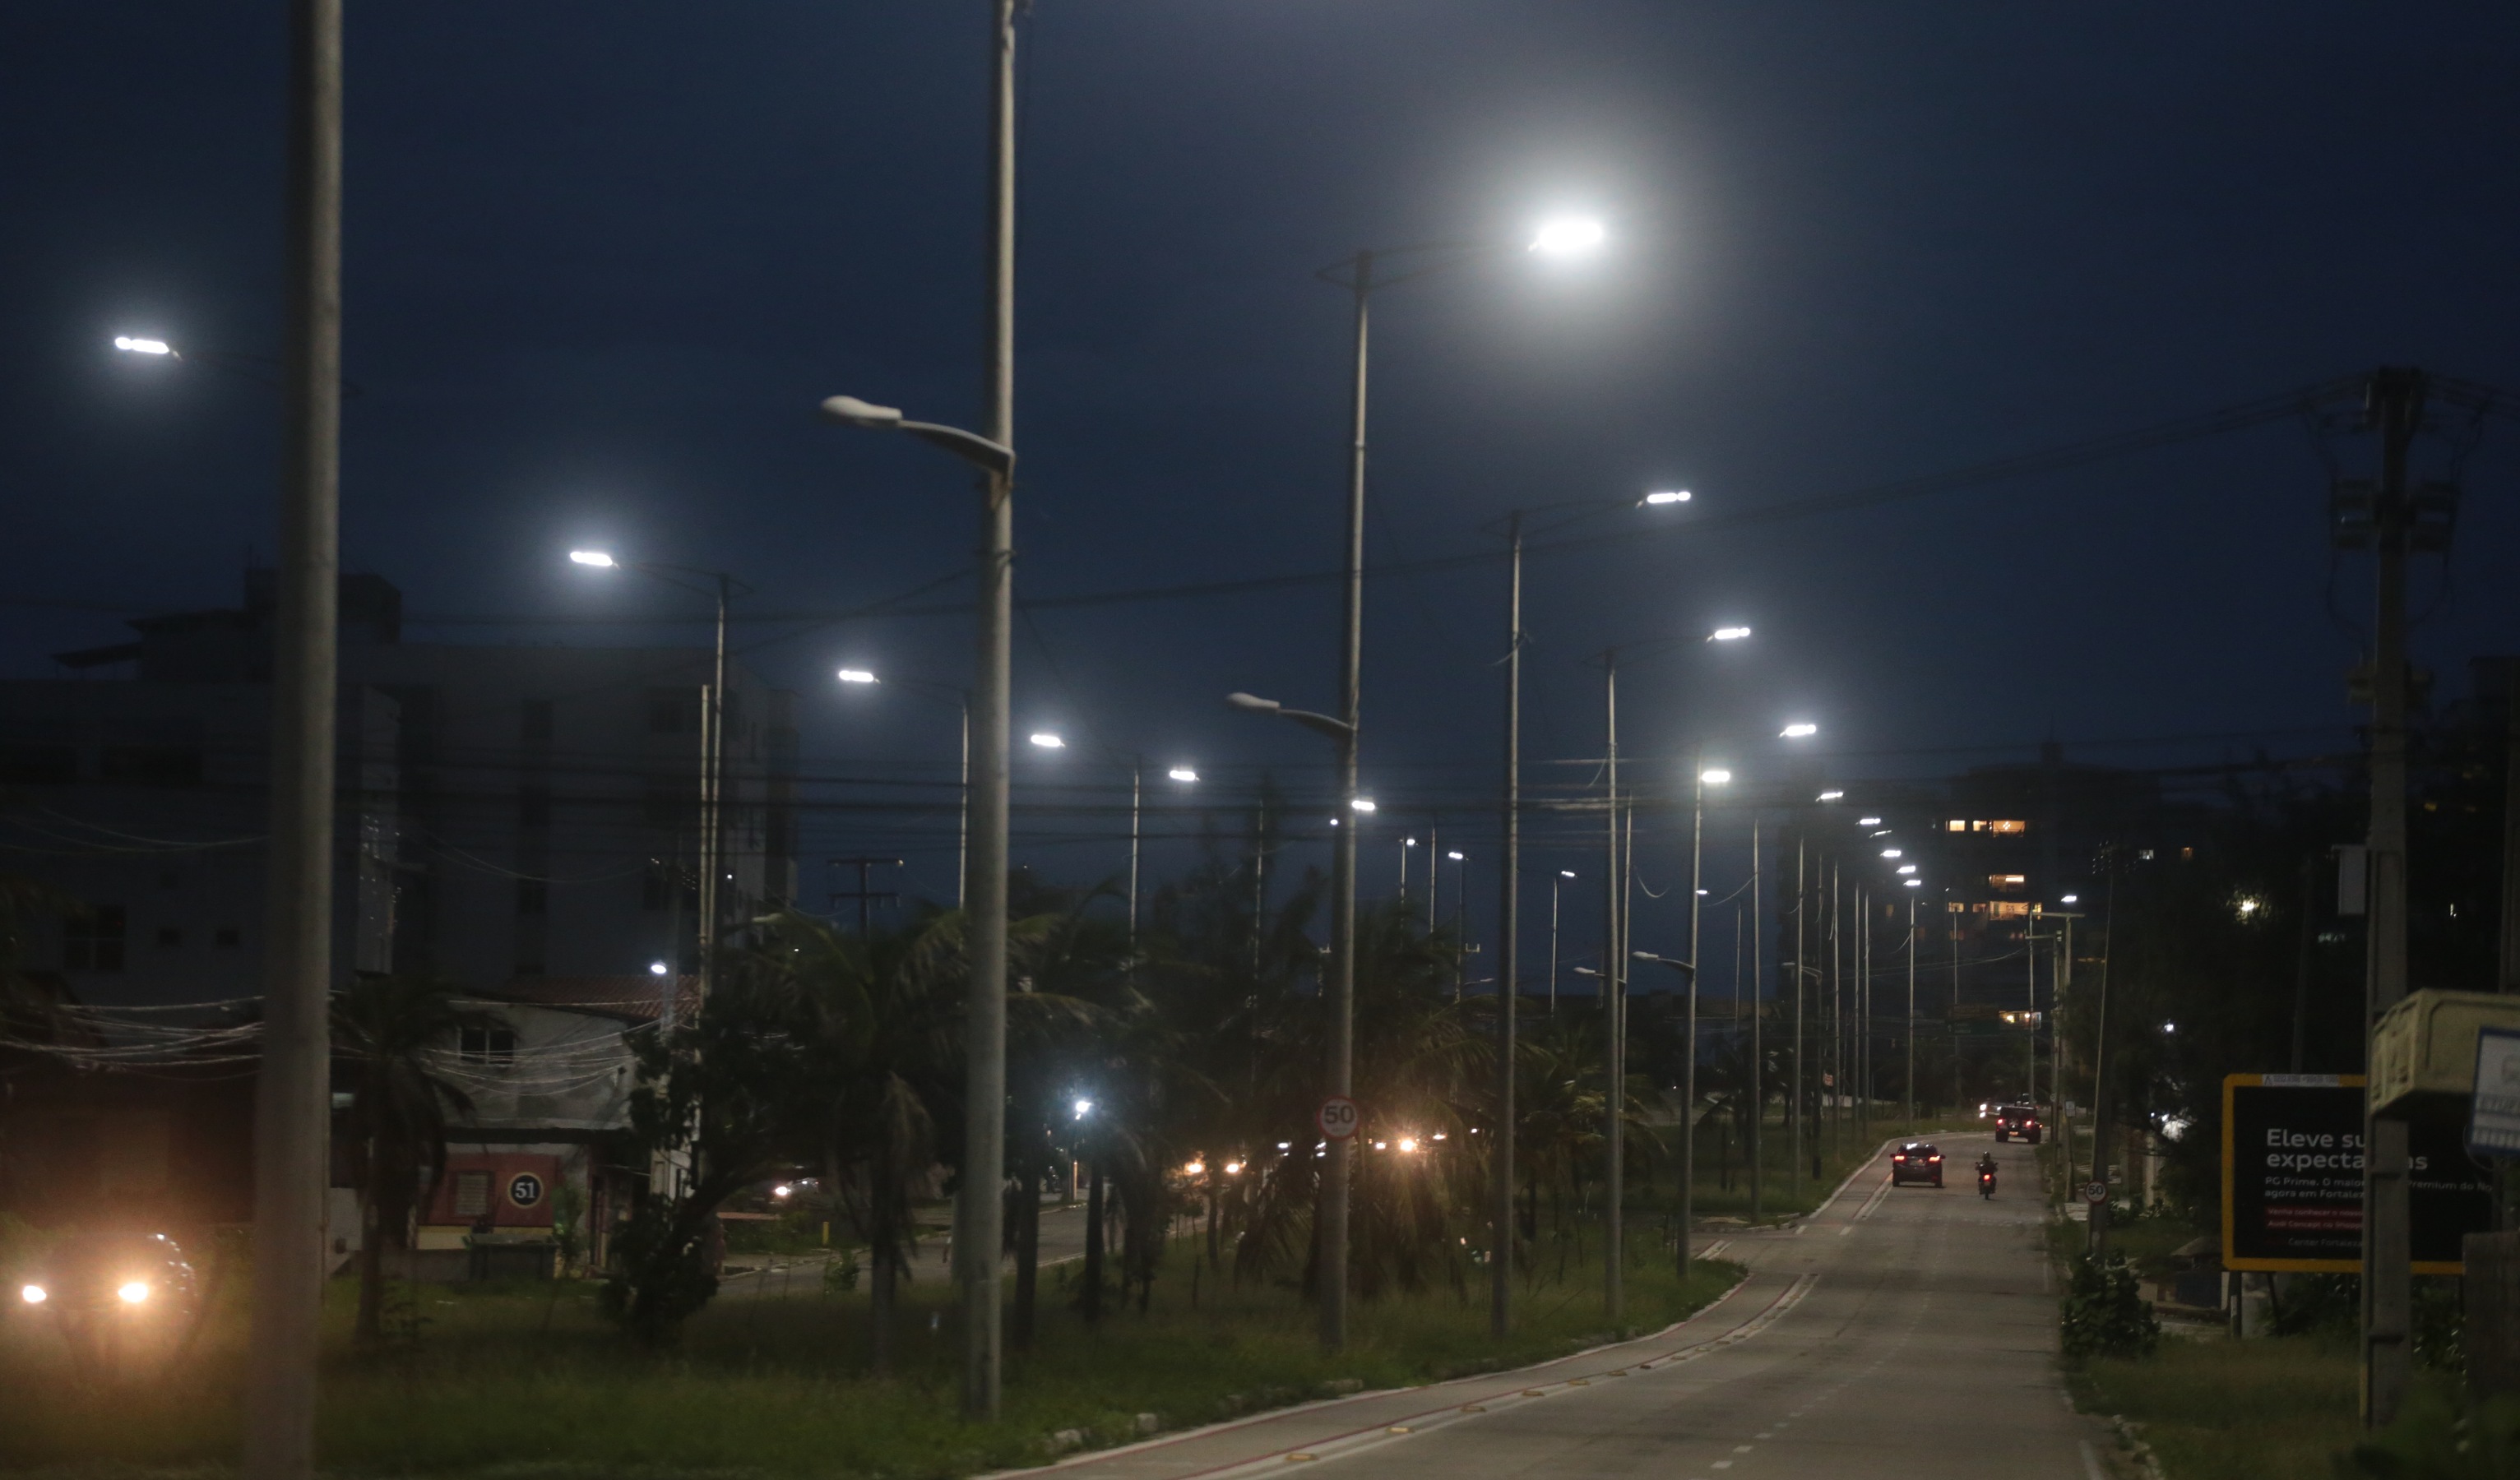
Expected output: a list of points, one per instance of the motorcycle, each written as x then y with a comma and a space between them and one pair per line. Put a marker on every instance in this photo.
1986, 1186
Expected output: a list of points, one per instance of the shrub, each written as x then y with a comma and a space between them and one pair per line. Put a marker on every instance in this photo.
2104, 1311
2431, 1442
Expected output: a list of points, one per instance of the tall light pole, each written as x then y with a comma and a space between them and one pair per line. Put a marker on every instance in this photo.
1509, 998
1910, 1076
961, 699
1758, 1021
1614, 955
1563, 874
292, 1118
1339, 988
1184, 775
979, 1208
720, 588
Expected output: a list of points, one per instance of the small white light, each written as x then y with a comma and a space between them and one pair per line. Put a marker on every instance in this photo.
1286, 1145
1182, 774
1193, 1168
2073, 899
1906, 868
1915, 884
2169, 1027
1568, 234
1084, 1108
33, 1294
1867, 822
1715, 775
856, 675
129, 345
1234, 1169
656, 968
1799, 730
1408, 1142
595, 558
1047, 741
1361, 804
1831, 796
1891, 853
1454, 857
1668, 496
134, 1291
781, 1190
1409, 842
1565, 874
1728, 634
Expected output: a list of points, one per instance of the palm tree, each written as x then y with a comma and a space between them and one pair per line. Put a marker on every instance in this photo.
387, 1032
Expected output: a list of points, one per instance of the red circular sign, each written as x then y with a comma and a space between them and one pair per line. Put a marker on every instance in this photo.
1338, 1117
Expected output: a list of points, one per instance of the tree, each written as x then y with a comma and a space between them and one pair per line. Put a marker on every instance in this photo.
390, 1035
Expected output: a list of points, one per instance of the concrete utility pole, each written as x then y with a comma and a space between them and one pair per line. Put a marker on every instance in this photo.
2508, 978
1910, 1078
979, 1211
2102, 1108
1802, 957
1613, 972
1758, 1018
292, 1099
1508, 994
2394, 409
1696, 968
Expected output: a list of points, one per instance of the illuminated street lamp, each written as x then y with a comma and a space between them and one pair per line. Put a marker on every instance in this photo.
1728, 634
961, 699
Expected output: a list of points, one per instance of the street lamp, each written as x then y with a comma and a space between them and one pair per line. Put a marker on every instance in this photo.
961, 699
1046, 740
1799, 730
1186, 776
979, 1208
722, 587
1554, 885
1728, 634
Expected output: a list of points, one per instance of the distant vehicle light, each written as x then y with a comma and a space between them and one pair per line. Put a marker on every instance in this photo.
134, 1291
1193, 1168
781, 1190
1408, 1142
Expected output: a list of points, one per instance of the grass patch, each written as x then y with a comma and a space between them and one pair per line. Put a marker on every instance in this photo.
2272, 1410
529, 1382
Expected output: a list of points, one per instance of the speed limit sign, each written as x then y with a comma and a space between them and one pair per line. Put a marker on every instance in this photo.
1337, 1117
2095, 1192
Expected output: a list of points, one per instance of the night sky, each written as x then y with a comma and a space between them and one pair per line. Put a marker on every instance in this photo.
604, 259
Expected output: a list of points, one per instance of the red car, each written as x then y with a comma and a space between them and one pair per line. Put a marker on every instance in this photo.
2017, 1120
1916, 1161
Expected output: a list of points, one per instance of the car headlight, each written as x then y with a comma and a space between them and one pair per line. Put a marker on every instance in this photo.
134, 1292
33, 1294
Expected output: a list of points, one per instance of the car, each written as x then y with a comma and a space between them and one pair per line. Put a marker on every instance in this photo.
2017, 1120
113, 1295
1916, 1161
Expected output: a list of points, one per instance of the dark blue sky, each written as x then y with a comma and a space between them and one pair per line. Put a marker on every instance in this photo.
604, 259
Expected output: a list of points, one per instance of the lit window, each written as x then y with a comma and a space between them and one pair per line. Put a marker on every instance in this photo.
2007, 880
2006, 908
2007, 826
1957, 825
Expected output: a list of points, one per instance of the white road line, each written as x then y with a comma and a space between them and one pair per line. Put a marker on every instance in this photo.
2092, 1464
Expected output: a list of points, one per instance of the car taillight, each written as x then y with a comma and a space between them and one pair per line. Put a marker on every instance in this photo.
1933, 1158
1898, 1156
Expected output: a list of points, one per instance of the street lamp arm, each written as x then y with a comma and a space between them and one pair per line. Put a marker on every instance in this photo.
1683, 968
1252, 703
989, 457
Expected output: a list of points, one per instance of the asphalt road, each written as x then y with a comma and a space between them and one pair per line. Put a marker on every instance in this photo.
1897, 1334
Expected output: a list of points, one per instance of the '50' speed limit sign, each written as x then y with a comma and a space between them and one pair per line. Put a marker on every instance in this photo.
1338, 1117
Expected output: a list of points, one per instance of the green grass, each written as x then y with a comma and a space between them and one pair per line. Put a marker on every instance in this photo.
2272, 1410
516, 1381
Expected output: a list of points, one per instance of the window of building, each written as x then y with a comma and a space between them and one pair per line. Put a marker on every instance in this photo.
2007, 880
228, 936
170, 935
1957, 825
2007, 826
534, 897
2003, 908
472, 1194
93, 940
537, 722
488, 1043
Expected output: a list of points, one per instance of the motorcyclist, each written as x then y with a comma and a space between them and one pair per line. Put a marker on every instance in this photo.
1986, 1172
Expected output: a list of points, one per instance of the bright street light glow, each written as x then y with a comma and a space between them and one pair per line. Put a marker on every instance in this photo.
1890, 853
1047, 741
1668, 496
1566, 235
1454, 857
595, 558
1715, 777
1565, 874
1409, 842
1360, 804
134, 1291
1831, 796
1408, 1142
1084, 1108
656, 968
1906, 868
33, 1294
2072, 899
129, 345
1182, 774
1915, 883
1728, 634
1800, 729
1867, 822
856, 675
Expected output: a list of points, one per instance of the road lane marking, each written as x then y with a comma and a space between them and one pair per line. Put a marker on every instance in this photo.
2092, 1464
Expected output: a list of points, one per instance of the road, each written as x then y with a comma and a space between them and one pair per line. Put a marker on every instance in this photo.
1897, 1334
